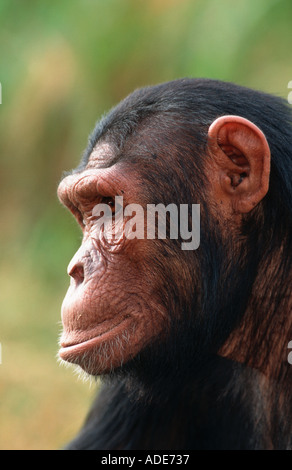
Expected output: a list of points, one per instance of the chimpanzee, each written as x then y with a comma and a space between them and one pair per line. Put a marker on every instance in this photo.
191, 345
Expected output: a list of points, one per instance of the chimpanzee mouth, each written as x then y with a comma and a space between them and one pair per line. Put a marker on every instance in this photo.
95, 338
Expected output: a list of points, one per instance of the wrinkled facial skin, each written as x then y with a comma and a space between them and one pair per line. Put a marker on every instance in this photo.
112, 307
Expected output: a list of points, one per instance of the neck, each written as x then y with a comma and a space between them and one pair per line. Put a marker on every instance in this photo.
261, 339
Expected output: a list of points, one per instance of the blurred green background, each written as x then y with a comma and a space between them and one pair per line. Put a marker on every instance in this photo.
63, 64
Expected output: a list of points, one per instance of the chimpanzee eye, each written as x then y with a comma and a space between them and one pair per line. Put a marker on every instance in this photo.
112, 203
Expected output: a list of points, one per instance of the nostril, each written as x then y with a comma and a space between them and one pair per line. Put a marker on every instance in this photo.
77, 273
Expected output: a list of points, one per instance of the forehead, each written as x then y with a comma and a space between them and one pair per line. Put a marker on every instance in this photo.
102, 156
141, 145
156, 139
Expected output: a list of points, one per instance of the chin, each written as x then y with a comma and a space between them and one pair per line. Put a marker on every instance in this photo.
98, 356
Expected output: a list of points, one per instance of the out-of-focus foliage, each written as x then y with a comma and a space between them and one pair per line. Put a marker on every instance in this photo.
62, 65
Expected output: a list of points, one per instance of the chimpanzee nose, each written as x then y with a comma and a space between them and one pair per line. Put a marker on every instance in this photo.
76, 267
77, 273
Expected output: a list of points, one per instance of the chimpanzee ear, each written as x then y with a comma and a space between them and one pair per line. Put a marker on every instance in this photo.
241, 155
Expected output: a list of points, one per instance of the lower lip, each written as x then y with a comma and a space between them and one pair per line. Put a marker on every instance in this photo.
66, 352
